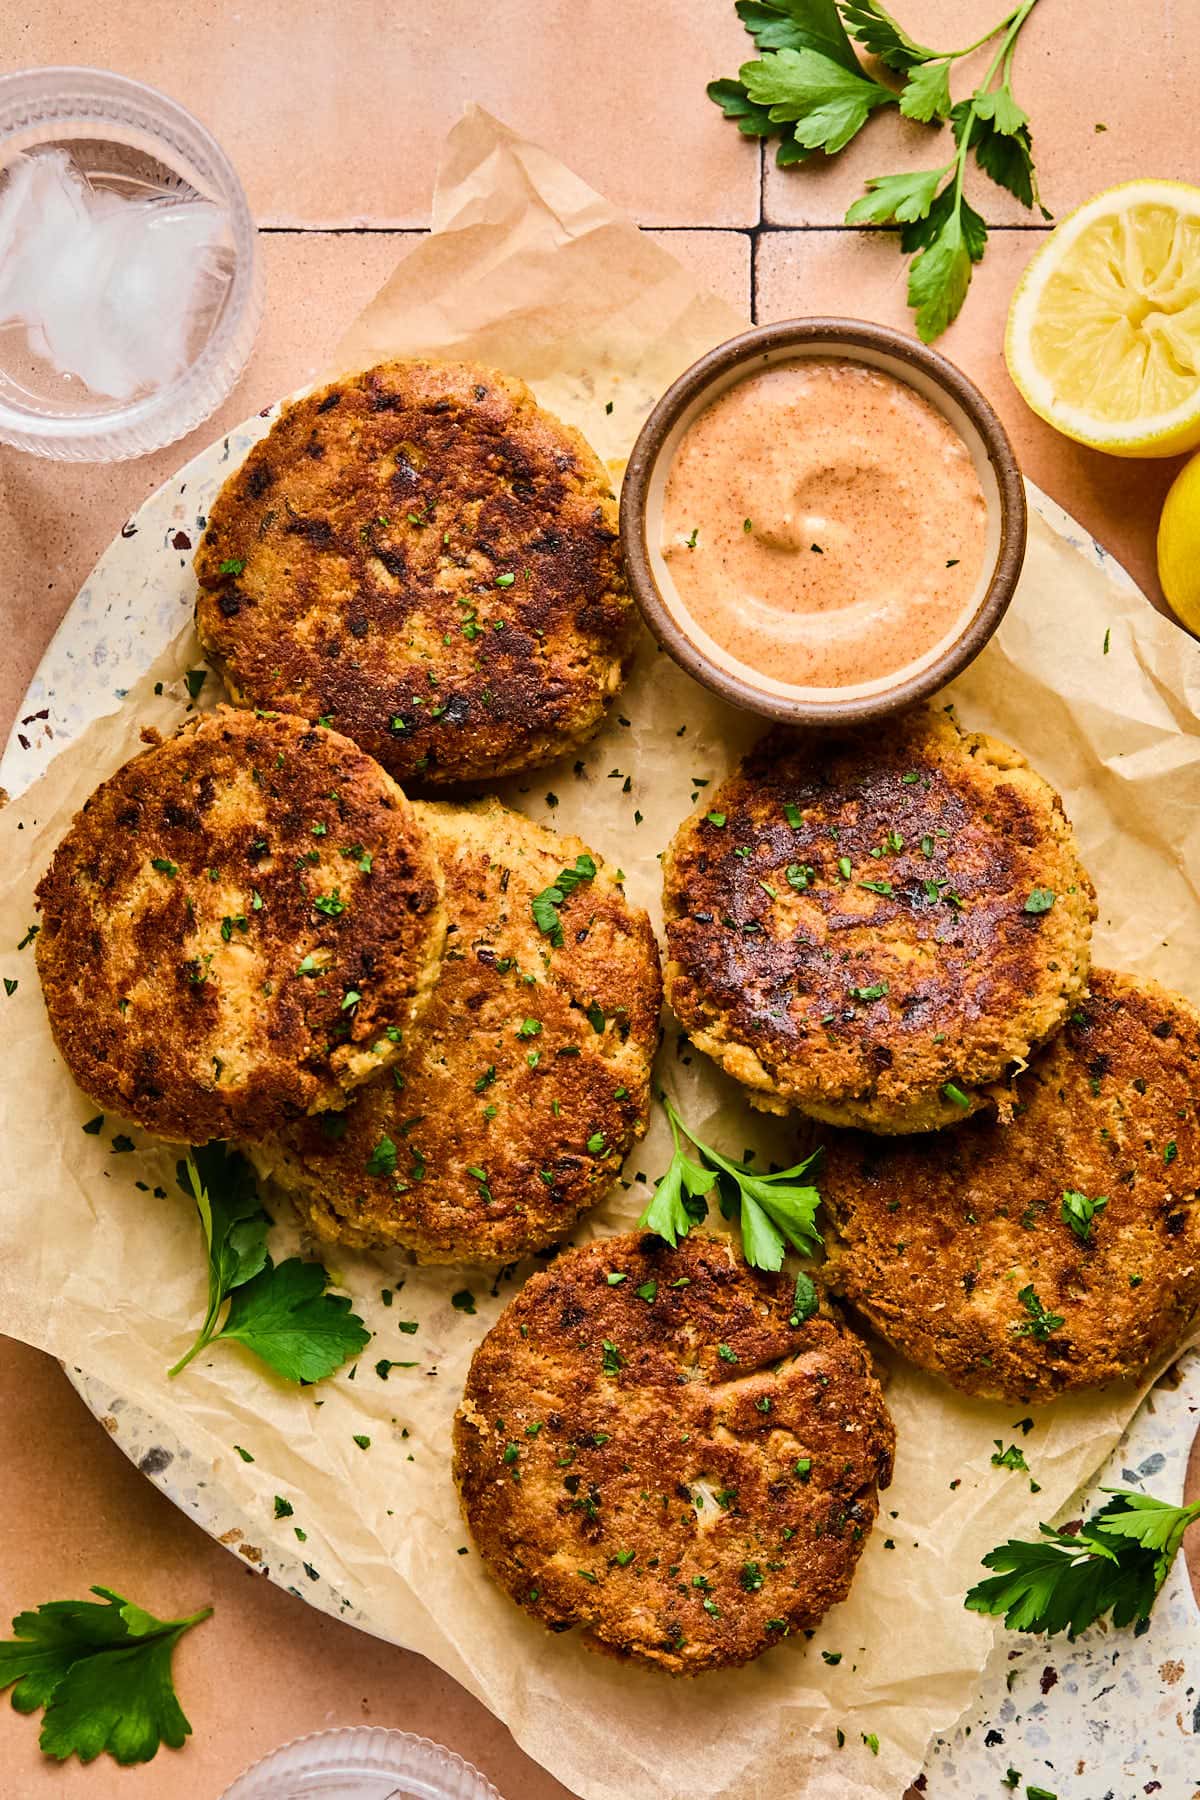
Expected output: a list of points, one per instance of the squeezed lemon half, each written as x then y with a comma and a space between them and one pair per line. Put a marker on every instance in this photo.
1103, 335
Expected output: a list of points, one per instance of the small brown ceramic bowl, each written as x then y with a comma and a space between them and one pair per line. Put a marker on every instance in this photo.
937, 381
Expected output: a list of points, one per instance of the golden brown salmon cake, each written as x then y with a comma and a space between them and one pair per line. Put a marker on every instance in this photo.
510, 1112
423, 556
870, 925
239, 926
654, 1446
1059, 1251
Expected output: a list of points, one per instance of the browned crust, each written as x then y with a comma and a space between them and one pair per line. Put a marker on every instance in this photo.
939, 1235
520, 1111
770, 983
174, 993
607, 1463
370, 532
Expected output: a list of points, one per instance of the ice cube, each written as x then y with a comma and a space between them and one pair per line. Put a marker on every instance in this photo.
109, 289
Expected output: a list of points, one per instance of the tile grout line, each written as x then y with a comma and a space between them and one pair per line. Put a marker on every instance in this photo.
762, 228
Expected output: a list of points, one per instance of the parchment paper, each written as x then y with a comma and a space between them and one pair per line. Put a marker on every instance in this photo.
531, 270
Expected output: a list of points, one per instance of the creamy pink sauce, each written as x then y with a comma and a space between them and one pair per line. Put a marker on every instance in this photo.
823, 524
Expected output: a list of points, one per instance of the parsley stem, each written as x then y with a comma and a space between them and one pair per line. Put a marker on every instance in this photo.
203, 1339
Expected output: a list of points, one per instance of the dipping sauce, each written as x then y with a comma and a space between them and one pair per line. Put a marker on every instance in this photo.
824, 524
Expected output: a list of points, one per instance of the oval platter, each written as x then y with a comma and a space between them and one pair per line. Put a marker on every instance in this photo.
1114, 1703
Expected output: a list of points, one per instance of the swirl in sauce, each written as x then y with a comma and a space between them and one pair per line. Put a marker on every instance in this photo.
824, 524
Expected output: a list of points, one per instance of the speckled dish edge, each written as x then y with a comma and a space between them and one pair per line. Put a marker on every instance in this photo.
1047, 1709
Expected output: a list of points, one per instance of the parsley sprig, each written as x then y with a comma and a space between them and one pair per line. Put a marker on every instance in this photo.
281, 1311
103, 1674
810, 89
773, 1210
1116, 1563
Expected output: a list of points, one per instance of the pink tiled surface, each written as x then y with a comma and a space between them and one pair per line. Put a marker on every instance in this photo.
333, 112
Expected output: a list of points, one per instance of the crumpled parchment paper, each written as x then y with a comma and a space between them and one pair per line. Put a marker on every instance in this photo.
530, 270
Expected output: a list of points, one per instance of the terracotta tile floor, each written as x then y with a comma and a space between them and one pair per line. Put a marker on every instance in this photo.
334, 112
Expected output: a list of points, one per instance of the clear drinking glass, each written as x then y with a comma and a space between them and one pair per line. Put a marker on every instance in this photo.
362, 1763
125, 138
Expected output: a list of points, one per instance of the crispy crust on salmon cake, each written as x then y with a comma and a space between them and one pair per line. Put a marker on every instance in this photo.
959, 1247
869, 926
654, 1447
237, 928
511, 1110
424, 556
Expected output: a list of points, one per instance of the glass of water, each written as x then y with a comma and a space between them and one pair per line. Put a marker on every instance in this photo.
130, 291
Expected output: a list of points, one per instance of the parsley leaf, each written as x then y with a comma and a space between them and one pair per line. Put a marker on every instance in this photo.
775, 1209
883, 36
1062, 1581
799, 25
288, 1320
903, 198
678, 1201
825, 103
926, 94
1040, 1323
103, 1673
1078, 1212
544, 906
949, 241
285, 1318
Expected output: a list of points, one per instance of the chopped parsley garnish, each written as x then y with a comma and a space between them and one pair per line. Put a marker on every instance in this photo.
1012, 1458
1040, 1323
463, 1301
164, 866
332, 905
529, 1028
956, 1096
1078, 1212
876, 991
545, 905
1040, 900
611, 1358
804, 1300
382, 1160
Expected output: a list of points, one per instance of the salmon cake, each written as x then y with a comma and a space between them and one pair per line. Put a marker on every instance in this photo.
424, 557
1058, 1251
659, 1447
240, 925
512, 1109
870, 926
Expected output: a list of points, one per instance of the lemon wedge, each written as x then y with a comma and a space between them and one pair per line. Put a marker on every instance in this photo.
1103, 335
1179, 545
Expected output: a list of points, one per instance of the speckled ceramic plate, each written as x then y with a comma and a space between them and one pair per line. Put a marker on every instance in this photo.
1109, 1718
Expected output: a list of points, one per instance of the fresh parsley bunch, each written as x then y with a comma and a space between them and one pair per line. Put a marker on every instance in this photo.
279, 1311
1116, 1563
103, 1674
773, 1210
810, 90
